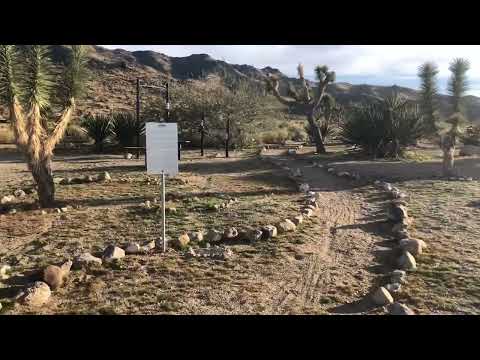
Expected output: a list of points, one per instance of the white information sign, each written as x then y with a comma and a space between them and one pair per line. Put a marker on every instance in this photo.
162, 148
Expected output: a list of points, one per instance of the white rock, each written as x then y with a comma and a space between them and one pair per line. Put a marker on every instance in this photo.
113, 253
105, 176
148, 246
297, 220
19, 193
286, 226
148, 204
269, 231
85, 260
230, 233
330, 170
4, 270
307, 212
382, 297
399, 309
407, 261
387, 187
196, 236
469, 179
36, 295
128, 156
343, 174
7, 199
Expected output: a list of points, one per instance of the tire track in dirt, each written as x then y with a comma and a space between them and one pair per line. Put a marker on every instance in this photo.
338, 269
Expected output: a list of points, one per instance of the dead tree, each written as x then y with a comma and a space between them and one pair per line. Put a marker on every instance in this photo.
303, 101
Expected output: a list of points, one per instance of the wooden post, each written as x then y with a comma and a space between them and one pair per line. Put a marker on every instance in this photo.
202, 133
138, 118
227, 139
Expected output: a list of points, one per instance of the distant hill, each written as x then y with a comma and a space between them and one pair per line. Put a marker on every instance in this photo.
114, 72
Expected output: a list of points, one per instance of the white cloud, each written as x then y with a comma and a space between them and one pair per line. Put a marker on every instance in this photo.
385, 62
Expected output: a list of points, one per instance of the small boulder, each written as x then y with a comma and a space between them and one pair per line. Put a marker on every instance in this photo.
7, 199
171, 210
286, 226
398, 276
113, 252
150, 245
55, 276
128, 156
331, 170
85, 260
64, 209
19, 193
35, 295
399, 309
230, 233
269, 232
393, 288
398, 213
253, 235
196, 236
105, 177
58, 180
413, 246
343, 174
182, 241
469, 179
297, 220
133, 248
147, 204
407, 262
12, 211
4, 270
213, 236
307, 212
399, 227
387, 187
382, 297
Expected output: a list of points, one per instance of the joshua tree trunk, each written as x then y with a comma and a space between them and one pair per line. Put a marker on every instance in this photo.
448, 161
42, 173
317, 135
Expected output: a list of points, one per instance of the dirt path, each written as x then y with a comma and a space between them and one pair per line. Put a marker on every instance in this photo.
343, 260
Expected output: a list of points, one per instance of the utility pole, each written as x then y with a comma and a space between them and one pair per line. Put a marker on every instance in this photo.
138, 118
227, 137
202, 133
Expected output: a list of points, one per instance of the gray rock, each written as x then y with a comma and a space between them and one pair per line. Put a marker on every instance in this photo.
269, 232
133, 248
85, 260
413, 246
407, 262
150, 245
215, 252
253, 235
213, 236
399, 309
230, 233
331, 170
196, 236
35, 295
113, 252
399, 276
394, 287
398, 213
382, 297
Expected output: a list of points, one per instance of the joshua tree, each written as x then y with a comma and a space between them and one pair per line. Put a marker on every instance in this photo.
427, 73
303, 99
457, 87
41, 102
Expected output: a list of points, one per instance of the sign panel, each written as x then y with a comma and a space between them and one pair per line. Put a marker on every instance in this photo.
162, 148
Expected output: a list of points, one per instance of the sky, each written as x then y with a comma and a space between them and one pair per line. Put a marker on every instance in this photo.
355, 64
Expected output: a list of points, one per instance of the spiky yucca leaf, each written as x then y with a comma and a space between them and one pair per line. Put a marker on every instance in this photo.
76, 74
9, 58
36, 76
99, 128
458, 83
126, 128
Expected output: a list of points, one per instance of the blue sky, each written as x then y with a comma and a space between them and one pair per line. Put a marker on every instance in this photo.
356, 64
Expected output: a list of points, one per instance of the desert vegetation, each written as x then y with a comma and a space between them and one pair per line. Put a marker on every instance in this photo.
323, 207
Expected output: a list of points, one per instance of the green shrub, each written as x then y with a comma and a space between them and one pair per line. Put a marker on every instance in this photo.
126, 129
383, 128
99, 128
275, 136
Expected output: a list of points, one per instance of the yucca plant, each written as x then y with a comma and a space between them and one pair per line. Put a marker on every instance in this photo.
41, 101
126, 128
99, 128
383, 128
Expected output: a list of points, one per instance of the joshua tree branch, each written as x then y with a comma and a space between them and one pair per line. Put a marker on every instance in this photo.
274, 84
60, 128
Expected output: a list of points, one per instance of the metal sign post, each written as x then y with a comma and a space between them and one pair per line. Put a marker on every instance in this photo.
161, 155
